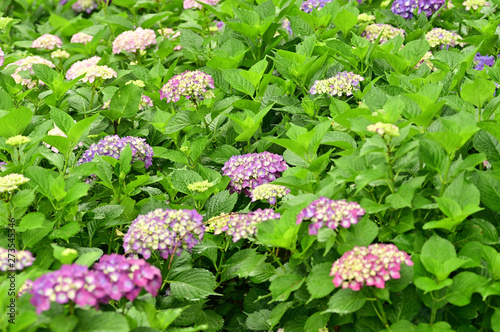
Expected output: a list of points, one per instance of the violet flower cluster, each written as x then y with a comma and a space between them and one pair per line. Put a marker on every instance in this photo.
405, 8
133, 40
168, 231
241, 225
481, 60
27, 65
113, 145
86, 6
372, 32
308, 5
190, 84
81, 38
429, 7
113, 277
330, 213
269, 192
344, 83
21, 260
370, 266
47, 42
440, 37
251, 170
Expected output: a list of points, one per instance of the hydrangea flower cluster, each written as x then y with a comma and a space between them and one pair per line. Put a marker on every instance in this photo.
287, 25
342, 83
133, 40
25, 287
429, 7
59, 54
188, 4
366, 18
99, 72
308, 5
71, 283
241, 225
113, 145
168, 231
124, 277
440, 37
372, 32
404, 8
145, 101
427, 60
81, 6
251, 170
22, 259
47, 42
2, 57
190, 84
27, 65
81, 38
200, 187
475, 4
370, 266
384, 129
269, 192
11, 182
481, 60
17, 140
330, 213
81, 67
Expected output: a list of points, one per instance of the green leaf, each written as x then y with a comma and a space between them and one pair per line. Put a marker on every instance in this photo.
237, 81
103, 322
278, 312
193, 284
66, 231
280, 232
33, 236
360, 234
31, 221
402, 326
222, 202
88, 256
319, 283
345, 20
316, 322
23, 198
81, 129
15, 122
439, 257
259, 320
282, 286
64, 255
478, 92
61, 119
489, 187
346, 301
405, 305
464, 284
495, 320
181, 179
428, 285
432, 155
124, 103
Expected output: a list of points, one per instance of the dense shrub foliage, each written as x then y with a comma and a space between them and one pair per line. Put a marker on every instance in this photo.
244, 165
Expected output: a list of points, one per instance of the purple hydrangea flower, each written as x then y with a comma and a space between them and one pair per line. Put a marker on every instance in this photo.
71, 283
25, 287
481, 60
241, 225
372, 32
124, 277
269, 192
168, 231
287, 25
251, 170
429, 7
190, 84
113, 145
404, 8
22, 259
330, 213
2, 57
308, 5
342, 83
370, 266
87, 6
443, 38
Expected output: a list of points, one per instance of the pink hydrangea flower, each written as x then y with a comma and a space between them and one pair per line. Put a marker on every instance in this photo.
80, 67
27, 65
190, 84
132, 41
81, 38
47, 42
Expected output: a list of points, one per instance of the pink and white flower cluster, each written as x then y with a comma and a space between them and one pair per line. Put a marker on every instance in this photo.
134, 40
81, 38
193, 4
47, 42
91, 70
370, 266
26, 65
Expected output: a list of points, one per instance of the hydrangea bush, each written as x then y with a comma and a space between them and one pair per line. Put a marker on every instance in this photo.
249, 166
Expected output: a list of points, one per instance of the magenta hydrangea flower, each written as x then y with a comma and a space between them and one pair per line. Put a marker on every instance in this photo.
168, 231
370, 266
86, 6
125, 277
113, 145
341, 84
22, 259
190, 84
2, 55
47, 42
81, 38
27, 65
134, 40
71, 283
241, 225
145, 101
251, 170
330, 213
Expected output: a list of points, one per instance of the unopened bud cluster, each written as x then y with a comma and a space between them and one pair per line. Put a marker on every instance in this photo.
11, 182
372, 32
384, 129
269, 192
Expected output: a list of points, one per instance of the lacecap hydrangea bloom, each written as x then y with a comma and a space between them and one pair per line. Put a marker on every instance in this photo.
269, 192
372, 32
27, 65
81, 38
59, 54
481, 60
344, 83
384, 129
133, 40
370, 266
11, 182
113, 145
47, 42
22, 259
17, 140
190, 84
308, 5
241, 225
168, 231
330, 213
86, 6
71, 283
475, 4
188, 4
251, 170
440, 37
81, 67
125, 277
